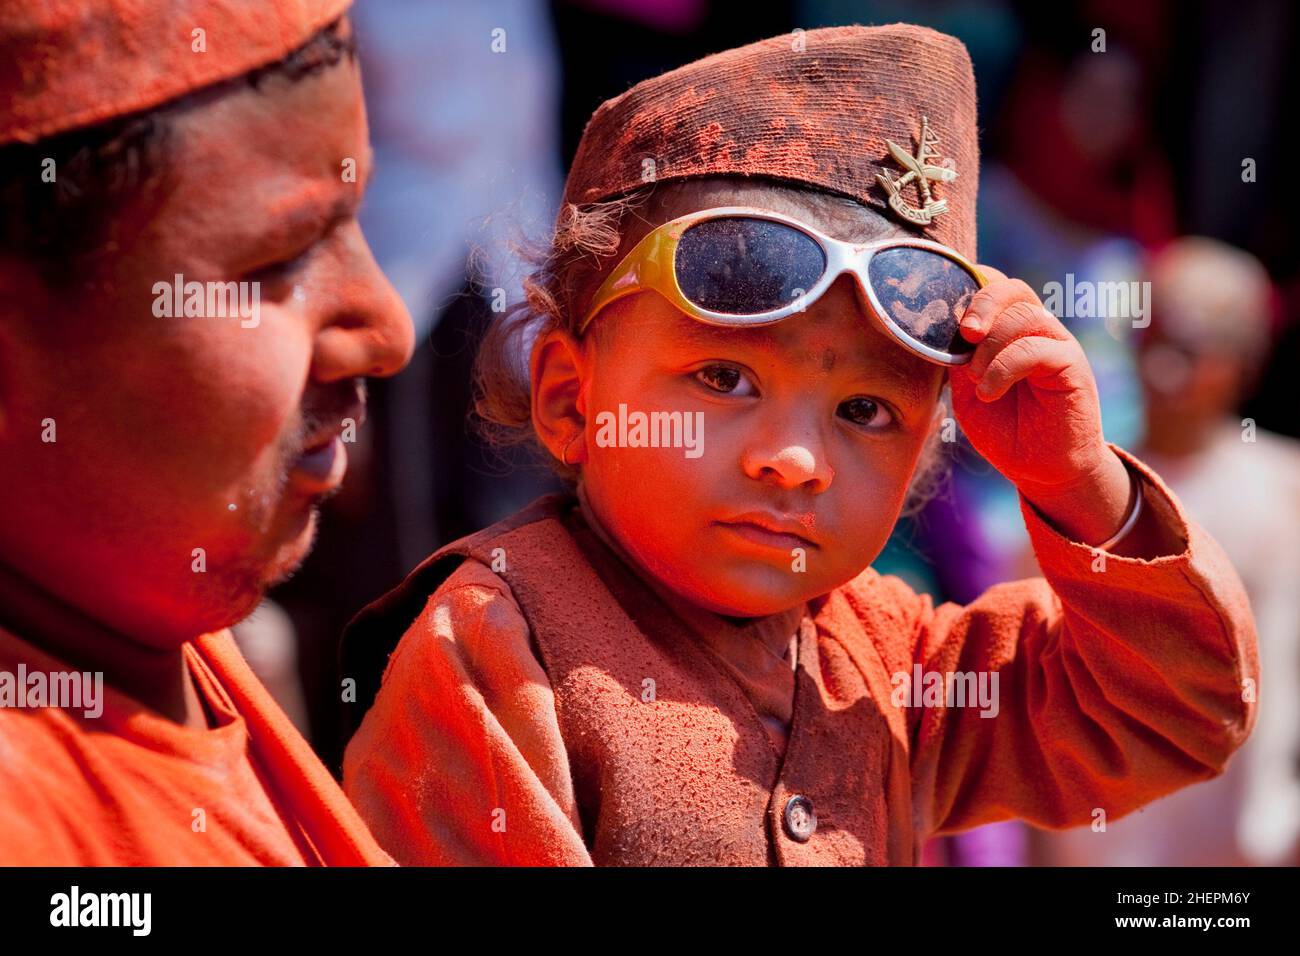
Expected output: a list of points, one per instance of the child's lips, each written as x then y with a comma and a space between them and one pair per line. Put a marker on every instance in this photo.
770, 530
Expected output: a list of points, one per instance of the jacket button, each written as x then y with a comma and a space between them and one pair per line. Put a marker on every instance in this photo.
800, 818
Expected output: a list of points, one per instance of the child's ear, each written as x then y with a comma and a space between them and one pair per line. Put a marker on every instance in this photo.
940, 414
557, 372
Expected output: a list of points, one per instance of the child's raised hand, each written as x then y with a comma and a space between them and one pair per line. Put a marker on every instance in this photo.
1028, 402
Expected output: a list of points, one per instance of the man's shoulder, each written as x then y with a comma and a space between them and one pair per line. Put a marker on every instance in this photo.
44, 787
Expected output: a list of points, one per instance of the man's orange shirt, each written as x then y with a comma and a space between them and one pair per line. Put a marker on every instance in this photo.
130, 788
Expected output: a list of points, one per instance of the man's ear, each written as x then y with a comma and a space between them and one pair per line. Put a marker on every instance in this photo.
557, 371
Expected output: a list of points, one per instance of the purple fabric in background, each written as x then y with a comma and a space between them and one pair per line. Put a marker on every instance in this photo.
998, 844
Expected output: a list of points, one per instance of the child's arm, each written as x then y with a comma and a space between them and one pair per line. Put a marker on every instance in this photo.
1125, 674
460, 760
1117, 682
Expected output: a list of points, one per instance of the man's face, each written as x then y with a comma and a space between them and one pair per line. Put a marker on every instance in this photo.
812, 429
202, 432
1184, 385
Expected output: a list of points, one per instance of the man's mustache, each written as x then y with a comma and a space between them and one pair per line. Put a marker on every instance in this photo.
325, 412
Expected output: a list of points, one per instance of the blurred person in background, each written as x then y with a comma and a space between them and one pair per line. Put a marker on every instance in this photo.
1199, 359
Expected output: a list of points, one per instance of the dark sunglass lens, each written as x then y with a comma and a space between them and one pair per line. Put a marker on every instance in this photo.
925, 293
746, 266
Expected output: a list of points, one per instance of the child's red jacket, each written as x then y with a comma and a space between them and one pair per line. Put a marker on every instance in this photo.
546, 706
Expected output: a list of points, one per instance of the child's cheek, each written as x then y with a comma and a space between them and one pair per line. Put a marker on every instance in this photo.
655, 487
862, 507
655, 499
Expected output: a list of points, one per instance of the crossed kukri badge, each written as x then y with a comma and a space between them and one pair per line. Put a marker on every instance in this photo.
923, 172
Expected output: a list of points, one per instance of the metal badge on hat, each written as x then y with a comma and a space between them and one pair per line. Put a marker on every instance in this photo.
920, 169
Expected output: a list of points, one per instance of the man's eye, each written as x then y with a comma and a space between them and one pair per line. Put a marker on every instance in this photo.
726, 379
278, 271
866, 412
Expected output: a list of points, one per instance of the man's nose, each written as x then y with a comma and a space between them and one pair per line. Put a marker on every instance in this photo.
369, 332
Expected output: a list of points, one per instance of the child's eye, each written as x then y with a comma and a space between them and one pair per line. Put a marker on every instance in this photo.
726, 379
866, 412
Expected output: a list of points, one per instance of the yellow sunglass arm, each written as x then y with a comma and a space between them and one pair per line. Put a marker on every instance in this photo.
647, 266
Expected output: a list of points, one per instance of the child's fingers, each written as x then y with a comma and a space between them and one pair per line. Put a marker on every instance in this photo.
989, 302
1028, 355
1016, 321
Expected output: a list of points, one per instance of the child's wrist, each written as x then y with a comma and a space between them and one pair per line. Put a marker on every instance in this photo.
1092, 508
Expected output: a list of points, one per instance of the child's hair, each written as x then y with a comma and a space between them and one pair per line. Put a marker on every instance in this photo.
566, 272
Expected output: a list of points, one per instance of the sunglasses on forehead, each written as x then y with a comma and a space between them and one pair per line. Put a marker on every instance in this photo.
737, 266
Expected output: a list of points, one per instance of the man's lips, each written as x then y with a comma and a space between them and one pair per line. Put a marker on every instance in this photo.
317, 465
771, 529
324, 460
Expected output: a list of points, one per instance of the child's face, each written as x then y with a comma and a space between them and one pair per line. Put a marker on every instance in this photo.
812, 426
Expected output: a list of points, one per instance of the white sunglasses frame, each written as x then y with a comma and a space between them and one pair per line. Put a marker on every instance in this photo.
643, 269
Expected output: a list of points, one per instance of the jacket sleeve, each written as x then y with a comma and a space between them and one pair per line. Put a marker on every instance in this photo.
1115, 680
460, 760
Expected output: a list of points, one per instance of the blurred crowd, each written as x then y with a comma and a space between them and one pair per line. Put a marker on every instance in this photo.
1121, 143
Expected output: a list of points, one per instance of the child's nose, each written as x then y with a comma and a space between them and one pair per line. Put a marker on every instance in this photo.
795, 465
